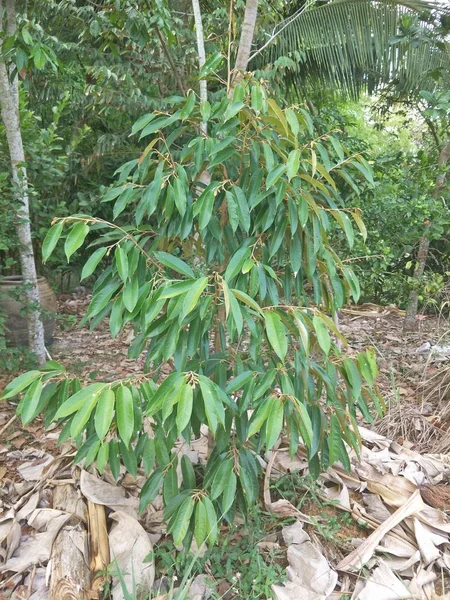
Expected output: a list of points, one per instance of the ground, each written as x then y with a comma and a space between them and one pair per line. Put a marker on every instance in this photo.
251, 557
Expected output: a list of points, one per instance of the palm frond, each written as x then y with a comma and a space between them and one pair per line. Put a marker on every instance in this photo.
353, 45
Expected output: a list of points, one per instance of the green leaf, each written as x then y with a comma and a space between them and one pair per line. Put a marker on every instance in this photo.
334, 439
242, 207
274, 422
221, 477
92, 263
31, 402
259, 417
75, 239
211, 64
150, 489
130, 294
360, 223
239, 381
212, 520
229, 492
236, 262
200, 523
193, 296
184, 408
293, 163
82, 415
175, 263
353, 376
274, 175
305, 425
121, 263
125, 413
181, 521
276, 333
51, 239
102, 457
245, 298
18, 384
76, 401
142, 122
209, 400
104, 412
323, 337
188, 107
187, 470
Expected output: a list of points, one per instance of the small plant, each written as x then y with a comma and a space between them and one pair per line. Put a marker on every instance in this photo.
223, 266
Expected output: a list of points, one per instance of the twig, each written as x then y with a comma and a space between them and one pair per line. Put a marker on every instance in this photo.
10, 422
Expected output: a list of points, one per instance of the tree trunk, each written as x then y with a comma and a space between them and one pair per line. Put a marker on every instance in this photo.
411, 312
9, 101
201, 55
245, 43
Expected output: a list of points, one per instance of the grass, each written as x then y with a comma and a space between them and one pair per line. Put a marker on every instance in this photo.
249, 559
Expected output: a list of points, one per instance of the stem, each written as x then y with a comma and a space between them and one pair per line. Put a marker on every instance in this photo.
201, 56
245, 43
171, 62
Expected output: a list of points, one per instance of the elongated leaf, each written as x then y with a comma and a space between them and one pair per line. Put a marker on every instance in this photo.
83, 414
125, 413
92, 263
276, 333
305, 425
259, 417
18, 384
184, 408
212, 520
182, 520
51, 239
274, 422
274, 175
293, 163
193, 296
31, 402
130, 294
175, 263
121, 263
201, 523
76, 401
150, 489
229, 492
75, 239
323, 337
104, 412
334, 439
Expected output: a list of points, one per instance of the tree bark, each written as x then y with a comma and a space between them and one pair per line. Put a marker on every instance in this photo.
201, 55
9, 100
411, 312
245, 43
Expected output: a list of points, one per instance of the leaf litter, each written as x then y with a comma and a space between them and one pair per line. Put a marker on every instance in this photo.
397, 491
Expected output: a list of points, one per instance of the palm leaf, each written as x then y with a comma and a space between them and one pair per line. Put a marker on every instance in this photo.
348, 45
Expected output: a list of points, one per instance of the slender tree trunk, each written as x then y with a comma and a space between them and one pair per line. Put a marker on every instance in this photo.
9, 100
411, 312
245, 43
201, 55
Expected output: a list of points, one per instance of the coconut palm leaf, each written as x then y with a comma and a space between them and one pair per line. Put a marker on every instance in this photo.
353, 45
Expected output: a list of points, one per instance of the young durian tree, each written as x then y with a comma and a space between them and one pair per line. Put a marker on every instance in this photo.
233, 284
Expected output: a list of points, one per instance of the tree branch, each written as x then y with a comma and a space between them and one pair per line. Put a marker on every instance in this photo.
171, 62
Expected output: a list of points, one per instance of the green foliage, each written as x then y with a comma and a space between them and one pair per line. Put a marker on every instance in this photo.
204, 276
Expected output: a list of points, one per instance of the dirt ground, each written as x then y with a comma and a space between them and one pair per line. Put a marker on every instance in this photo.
412, 379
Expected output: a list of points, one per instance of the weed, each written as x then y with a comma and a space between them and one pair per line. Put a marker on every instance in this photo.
238, 567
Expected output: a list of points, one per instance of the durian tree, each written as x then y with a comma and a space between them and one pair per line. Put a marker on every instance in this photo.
231, 280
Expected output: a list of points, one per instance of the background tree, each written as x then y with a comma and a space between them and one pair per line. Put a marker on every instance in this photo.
9, 101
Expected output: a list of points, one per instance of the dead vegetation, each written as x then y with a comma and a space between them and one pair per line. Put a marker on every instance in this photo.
381, 531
